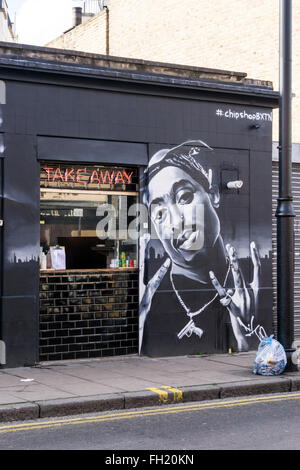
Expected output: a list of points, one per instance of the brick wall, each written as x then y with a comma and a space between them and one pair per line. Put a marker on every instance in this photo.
88, 37
84, 315
227, 34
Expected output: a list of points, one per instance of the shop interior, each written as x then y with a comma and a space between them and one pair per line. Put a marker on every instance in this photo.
87, 229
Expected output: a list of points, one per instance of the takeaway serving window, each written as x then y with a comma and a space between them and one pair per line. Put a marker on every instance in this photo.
88, 215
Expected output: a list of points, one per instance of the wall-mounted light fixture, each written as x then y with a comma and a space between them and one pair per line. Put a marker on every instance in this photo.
235, 184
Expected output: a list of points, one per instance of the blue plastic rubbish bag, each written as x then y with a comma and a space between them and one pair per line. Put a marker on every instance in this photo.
270, 358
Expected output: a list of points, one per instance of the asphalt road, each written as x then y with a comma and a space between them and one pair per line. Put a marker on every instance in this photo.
261, 422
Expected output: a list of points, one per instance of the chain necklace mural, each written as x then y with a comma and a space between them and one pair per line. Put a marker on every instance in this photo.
190, 327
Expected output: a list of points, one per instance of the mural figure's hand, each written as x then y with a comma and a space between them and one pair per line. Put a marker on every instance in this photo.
238, 302
147, 291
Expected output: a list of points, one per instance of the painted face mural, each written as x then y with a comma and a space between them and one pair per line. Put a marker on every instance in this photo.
193, 293
183, 215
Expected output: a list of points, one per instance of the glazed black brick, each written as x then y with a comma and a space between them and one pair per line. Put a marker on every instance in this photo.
83, 339
74, 286
75, 317
46, 303
88, 315
47, 349
54, 341
82, 308
68, 340
94, 323
81, 293
47, 334
101, 314
62, 333
81, 354
46, 318
68, 324
76, 332
60, 302
54, 326
82, 278
132, 350
62, 349
96, 338
62, 286
81, 324
108, 352
75, 347
59, 357
61, 318
68, 294
54, 280
88, 347
126, 343
121, 336
121, 351
88, 331
74, 301
101, 346
68, 309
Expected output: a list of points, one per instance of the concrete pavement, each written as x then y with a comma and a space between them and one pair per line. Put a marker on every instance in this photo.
86, 386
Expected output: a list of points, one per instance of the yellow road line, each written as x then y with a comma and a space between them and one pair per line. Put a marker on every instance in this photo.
177, 393
183, 407
152, 412
163, 395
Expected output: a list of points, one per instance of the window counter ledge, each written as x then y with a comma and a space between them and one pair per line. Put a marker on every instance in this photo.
106, 270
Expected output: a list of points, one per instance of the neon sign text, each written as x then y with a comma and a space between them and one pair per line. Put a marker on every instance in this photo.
84, 175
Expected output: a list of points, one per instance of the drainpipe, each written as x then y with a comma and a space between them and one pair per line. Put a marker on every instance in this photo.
2, 150
107, 30
285, 211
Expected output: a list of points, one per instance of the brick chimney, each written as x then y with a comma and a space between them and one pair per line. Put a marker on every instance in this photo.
77, 16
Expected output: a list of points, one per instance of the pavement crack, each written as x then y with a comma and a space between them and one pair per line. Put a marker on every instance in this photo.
227, 363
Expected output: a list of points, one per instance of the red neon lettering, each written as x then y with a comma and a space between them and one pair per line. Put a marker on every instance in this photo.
48, 170
94, 177
107, 175
68, 174
58, 175
78, 175
104, 177
128, 177
119, 178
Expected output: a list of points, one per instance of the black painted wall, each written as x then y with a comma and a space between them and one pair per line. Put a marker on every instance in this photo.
49, 117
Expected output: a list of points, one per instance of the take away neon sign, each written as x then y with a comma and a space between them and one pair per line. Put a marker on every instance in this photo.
88, 175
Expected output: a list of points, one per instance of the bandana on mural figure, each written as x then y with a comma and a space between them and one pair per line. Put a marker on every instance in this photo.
199, 273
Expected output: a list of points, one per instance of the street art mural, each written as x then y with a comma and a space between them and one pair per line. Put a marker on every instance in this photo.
200, 273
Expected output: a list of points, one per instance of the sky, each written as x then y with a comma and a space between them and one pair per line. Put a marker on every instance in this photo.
40, 21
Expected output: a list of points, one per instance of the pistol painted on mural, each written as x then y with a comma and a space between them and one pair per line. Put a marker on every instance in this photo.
189, 329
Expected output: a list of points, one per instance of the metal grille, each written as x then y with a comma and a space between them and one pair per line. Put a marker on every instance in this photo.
90, 6
296, 196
